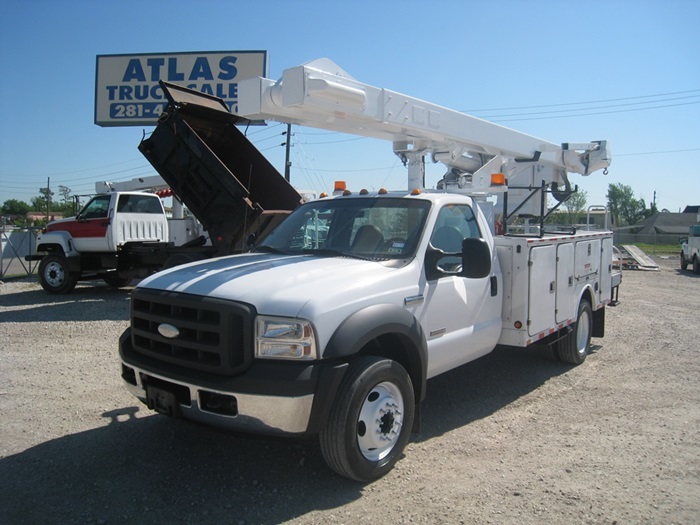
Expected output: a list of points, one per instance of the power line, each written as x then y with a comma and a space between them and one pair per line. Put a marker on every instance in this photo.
594, 113
584, 103
655, 152
598, 107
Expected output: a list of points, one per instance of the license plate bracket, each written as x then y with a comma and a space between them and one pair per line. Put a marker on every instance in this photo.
162, 401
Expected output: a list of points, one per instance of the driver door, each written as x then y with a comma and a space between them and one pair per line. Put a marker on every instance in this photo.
90, 230
462, 316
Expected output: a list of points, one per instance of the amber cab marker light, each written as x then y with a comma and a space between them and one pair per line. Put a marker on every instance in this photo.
416, 191
364, 191
498, 179
382, 191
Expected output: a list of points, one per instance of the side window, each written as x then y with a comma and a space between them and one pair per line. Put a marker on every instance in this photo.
138, 204
97, 208
454, 224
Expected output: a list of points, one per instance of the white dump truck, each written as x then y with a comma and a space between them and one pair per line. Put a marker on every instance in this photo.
123, 234
333, 323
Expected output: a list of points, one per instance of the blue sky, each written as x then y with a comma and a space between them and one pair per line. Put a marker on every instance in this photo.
624, 71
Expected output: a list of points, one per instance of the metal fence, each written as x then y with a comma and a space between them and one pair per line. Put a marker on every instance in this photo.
14, 245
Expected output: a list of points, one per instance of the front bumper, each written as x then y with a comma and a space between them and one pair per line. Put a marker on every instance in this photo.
269, 398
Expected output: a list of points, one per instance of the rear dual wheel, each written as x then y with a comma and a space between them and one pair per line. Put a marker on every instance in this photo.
371, 419
576, 345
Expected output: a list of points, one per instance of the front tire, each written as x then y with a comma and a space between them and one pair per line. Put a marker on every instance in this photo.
54, 275
371, 419
684, 262
576, 345
696, 265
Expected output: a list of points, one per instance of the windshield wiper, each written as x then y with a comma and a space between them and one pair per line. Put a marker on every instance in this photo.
339, 253
268, 249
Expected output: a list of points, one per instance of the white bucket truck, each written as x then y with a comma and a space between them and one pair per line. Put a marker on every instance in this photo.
332, 324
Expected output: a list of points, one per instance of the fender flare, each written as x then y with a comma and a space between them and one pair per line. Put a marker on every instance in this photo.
374, 322
62, 239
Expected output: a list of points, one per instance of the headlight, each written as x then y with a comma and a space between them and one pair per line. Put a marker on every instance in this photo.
283, 338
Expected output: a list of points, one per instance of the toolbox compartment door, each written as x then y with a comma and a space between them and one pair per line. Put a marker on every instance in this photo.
224, 180
566, 298
606, 271
542, 289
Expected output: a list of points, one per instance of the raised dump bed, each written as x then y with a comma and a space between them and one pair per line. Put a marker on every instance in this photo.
222, 178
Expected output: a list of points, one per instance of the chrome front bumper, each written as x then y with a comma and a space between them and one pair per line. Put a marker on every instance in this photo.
255, 413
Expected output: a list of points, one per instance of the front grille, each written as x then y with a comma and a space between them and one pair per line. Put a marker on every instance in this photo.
213, 335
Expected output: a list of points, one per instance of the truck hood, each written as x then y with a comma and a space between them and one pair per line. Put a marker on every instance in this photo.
59, 223
288, 284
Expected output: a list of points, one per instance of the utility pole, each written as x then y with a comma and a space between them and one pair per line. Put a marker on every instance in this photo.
48, 198
288, 144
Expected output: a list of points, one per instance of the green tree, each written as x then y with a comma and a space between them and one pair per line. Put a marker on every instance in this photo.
66, 203
624, 207
15, 207
43, 201
64, 192
575, 205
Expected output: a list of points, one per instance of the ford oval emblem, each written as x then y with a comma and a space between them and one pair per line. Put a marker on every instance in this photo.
168, 330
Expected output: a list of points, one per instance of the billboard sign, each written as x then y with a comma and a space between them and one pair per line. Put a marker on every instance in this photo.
127, 91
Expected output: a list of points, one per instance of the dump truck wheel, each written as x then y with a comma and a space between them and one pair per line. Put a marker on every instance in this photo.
54, 275
577, 344
371, 419
115, 281
684, 262
696, 266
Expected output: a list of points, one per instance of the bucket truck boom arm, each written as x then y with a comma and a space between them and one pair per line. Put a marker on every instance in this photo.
320, 94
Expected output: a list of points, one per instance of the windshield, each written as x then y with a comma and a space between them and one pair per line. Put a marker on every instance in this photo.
385, 228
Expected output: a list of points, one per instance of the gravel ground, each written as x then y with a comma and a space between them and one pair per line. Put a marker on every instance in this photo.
510, 438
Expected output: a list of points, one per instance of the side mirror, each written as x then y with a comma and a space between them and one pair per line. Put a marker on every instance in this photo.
476, 258
474, 262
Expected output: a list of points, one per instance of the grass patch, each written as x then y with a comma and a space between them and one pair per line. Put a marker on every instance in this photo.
659, 249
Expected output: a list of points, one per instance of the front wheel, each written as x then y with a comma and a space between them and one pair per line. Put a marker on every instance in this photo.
371, 419
684, 262
696, 265
576, 345
54, 275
